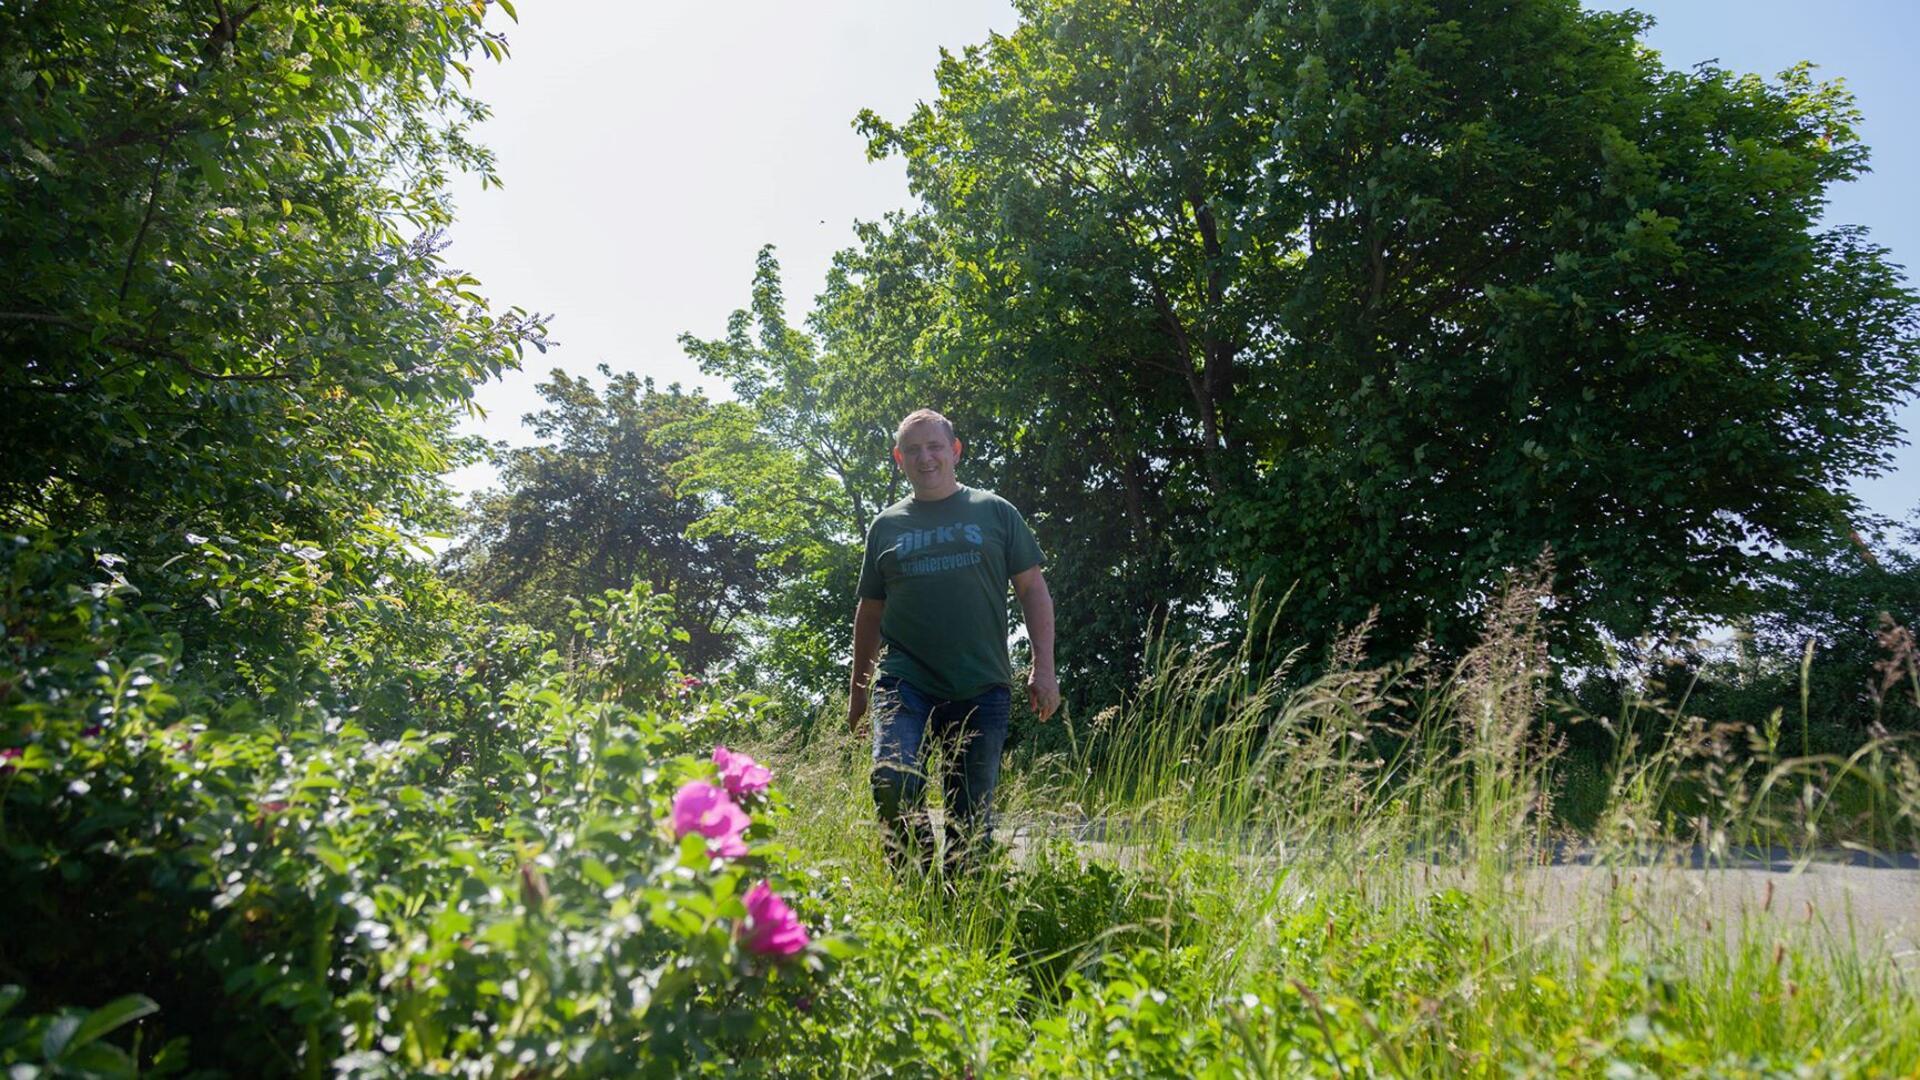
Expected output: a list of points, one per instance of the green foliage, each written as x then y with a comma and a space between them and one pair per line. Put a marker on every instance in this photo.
1375, 301
500, 897
260, 766
1379, 296
1072, 915
814, 410
1385, 299
1829, 662
905, 1005
800, 460
1852, 604
595, 506
234, 350
217, 314
1268, 895
68, 1043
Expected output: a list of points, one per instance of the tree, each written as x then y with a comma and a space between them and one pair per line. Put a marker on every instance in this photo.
229, 332
1849, 601
1386, 298
595, 507
800, 460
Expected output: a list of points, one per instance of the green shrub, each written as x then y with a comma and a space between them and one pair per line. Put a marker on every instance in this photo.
71, 1041
1069, 914
305, 891
904, 1005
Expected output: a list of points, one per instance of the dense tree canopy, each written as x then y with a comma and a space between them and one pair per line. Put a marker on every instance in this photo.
799, 459
1376, 298
1385, 298
1381, 296
229, 335
593, 506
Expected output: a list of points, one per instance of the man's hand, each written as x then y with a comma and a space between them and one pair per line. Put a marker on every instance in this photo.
856, 709
1043, 693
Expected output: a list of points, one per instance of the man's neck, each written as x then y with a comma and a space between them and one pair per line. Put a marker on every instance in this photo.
932, 496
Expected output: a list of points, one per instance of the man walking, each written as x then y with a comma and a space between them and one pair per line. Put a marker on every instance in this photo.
933, 587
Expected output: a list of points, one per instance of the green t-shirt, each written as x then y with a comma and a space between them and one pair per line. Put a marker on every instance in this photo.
943, 568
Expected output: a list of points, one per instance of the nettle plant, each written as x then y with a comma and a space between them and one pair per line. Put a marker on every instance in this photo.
597, 895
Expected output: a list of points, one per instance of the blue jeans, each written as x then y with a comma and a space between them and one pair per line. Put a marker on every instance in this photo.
971, 733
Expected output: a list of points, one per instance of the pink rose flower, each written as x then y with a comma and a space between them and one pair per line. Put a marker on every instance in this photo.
771, 928
700, 807
741, 774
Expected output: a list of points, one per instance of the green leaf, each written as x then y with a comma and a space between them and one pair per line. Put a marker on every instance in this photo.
330, 857
60, 1029
597, 872
200, 154
39, 157
112, 1015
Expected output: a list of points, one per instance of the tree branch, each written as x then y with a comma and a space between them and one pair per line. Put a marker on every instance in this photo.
226, 29
146, 221
84, 385
1178, 330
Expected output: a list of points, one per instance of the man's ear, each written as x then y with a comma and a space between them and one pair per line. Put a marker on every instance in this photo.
897, 459
958, 449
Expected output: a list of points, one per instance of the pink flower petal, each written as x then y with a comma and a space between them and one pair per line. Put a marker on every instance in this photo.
771, 927
739, 773
702, 808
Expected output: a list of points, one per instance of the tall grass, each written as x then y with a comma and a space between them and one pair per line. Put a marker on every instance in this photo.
1411, 810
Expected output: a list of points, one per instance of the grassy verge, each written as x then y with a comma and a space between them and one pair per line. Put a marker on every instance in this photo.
1238, 876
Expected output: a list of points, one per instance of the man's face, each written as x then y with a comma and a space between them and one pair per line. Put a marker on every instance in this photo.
926, 453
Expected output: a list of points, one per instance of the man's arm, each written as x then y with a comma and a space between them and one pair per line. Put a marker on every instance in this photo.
866, 642
1036, 603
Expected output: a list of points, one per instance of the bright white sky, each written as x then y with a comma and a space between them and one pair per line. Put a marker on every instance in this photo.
650, 149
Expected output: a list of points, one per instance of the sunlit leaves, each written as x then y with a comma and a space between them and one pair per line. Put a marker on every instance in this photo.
1386, 298
226, 307
504, 894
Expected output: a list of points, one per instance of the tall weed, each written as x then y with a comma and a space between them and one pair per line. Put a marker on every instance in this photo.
1364, 871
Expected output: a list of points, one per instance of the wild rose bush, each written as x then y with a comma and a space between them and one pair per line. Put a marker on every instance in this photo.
314, 894
701, 809
739, 774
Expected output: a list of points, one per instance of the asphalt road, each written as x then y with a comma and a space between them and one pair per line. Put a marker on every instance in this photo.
1874, 910
1870, 905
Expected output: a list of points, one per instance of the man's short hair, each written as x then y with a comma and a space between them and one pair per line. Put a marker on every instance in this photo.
917, 416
